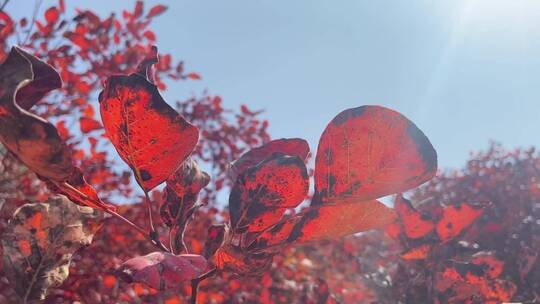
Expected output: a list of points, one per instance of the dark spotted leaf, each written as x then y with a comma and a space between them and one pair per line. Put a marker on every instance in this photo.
493, 266
180, 199
40, 241
162, 270
215, 237
289, 146
233, 259
369, 152
150, 136
181, 192
458, 281
262, 193
32, 139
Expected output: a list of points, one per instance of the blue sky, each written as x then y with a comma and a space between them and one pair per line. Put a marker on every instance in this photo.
465, 71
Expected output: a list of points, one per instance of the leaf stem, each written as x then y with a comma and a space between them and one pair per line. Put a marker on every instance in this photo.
149, 208
153, 235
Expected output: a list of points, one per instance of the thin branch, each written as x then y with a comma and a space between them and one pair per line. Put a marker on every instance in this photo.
3, 5
195, 284
84, 198
34, 15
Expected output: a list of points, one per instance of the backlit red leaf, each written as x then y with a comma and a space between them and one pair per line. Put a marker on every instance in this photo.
329, 221
262, 193
332, 221
370, 152
150, 136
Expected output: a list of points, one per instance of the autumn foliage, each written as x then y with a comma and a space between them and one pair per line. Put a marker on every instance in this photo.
463, 237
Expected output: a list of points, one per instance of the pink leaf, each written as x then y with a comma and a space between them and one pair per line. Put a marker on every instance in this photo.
161, 270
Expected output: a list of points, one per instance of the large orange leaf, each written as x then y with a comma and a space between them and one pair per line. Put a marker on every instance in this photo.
370, 152
150, 136
262, 193
329, 221
332, 221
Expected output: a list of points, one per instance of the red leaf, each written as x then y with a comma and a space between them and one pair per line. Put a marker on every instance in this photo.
262, 193
137, 12
328, 221
161, 270
193, 76
62, 6
370, 152
150, 136
214, 240
492, 265
149, 35
414, 223
89, 124
51, 15
156, 10
35, 141
332, 221
230, 258
418, 253
289, 146
455, 219
180, 198
188, 180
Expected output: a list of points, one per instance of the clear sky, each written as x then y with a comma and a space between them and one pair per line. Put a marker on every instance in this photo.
465, 71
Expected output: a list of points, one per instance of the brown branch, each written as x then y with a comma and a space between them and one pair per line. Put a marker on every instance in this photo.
195, 284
